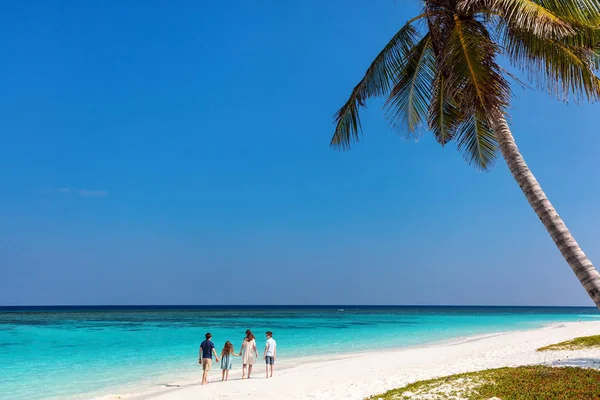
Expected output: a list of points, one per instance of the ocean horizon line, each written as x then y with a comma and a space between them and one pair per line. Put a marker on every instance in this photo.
264, 306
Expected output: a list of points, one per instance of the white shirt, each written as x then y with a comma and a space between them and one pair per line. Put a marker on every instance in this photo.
271, 344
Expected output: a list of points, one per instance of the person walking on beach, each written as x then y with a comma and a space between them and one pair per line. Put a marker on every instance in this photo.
226, 360
270, 352
207, 349
249, 351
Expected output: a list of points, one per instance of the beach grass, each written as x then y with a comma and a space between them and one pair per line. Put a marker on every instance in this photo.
520, 383
575, 344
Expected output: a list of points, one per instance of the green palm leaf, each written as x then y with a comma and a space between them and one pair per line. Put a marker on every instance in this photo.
444, 115
376, 82
477, 85
563, 68
476, 141
524, 14
408, 103
474, 79
585, 13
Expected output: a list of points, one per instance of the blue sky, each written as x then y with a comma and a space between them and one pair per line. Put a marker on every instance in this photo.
177, 153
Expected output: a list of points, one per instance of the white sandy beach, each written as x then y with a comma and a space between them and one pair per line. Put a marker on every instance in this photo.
361, 375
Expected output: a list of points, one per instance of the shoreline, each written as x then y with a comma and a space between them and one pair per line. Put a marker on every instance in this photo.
421, 361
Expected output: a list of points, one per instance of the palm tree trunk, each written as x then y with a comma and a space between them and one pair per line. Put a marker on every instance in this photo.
566, 243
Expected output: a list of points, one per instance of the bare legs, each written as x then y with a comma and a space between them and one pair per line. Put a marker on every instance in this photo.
244, 371
271, 367
204, 377
224, 375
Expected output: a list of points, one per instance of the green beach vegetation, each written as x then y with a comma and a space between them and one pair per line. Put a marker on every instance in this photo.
440, 73
521, 383
574, 344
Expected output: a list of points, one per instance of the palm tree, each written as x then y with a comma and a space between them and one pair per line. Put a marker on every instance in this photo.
440, 73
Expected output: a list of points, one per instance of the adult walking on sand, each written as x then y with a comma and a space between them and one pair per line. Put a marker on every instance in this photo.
207, 350
249, 352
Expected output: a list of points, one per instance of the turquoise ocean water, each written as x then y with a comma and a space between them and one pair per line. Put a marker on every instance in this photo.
89, 352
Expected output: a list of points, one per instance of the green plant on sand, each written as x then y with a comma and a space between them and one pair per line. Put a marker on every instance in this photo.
444, 76
575, 344
522, 383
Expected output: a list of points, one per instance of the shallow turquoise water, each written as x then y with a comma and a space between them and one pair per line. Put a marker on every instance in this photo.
80, 353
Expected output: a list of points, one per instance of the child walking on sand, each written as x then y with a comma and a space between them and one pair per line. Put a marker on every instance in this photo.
226, 360
270, 353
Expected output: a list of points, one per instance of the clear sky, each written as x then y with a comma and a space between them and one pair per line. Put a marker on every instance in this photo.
176, 152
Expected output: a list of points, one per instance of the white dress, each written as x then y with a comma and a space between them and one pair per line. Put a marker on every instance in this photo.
249, 349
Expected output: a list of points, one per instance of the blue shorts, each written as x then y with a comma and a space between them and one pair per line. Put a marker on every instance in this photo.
270, 360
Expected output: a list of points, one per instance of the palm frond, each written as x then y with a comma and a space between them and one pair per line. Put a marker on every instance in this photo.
444, 115
477, 143
563, 68
408, 102
376, 82
585, 37
580, 12
528, 15
474, 79
440, 23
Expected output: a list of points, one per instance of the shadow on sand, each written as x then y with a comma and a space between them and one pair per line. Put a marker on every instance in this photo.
576, 362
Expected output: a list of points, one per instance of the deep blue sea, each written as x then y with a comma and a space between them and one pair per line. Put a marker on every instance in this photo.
88, 352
